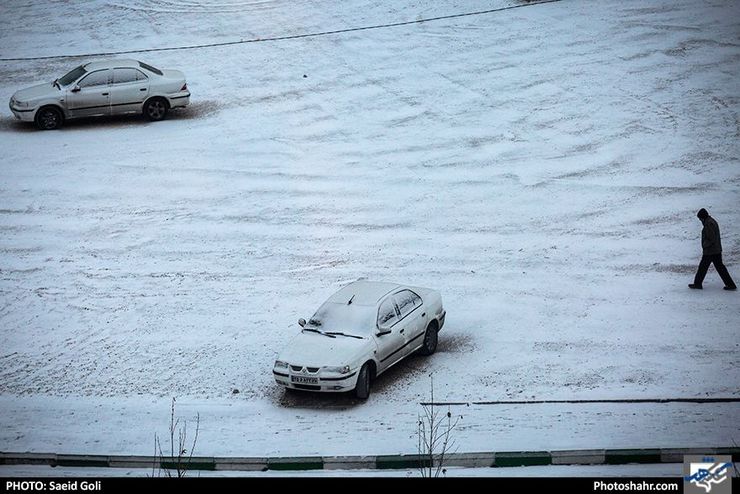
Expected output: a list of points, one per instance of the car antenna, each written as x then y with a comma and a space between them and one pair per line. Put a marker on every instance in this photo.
350, 300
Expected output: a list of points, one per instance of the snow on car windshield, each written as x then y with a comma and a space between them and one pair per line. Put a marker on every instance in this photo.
354, 319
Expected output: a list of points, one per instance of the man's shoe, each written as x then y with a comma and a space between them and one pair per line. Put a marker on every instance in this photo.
731, 288
695, 287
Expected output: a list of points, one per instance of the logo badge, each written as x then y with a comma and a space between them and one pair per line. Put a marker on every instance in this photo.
707, 474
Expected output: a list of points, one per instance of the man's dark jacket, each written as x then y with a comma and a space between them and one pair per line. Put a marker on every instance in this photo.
710, 241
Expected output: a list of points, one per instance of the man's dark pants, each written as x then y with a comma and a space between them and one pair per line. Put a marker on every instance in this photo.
715, 259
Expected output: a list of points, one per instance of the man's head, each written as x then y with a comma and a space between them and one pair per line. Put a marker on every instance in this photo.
702, 214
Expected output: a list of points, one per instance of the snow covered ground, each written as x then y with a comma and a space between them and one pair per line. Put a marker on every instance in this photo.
541, 167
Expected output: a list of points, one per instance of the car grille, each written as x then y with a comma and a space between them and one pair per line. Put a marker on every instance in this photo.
299, 368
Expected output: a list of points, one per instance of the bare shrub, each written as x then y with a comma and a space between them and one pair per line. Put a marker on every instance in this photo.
176, 463
433, 436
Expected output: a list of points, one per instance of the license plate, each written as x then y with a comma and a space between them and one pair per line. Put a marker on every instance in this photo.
304, 380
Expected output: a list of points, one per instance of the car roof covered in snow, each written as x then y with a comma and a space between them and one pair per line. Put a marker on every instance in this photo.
364, 292
108, 64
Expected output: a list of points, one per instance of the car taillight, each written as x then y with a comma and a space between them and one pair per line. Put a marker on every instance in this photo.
184, 87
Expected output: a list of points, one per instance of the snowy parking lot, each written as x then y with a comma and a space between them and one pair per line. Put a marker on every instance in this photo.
541, 167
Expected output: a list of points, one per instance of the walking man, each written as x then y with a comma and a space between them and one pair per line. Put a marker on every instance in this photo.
712, 253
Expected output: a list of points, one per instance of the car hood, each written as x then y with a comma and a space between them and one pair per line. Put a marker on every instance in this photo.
36, 92
316, 350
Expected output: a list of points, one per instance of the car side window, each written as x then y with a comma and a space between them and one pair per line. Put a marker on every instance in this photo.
387, 315
122, 76
99, 78
407, 301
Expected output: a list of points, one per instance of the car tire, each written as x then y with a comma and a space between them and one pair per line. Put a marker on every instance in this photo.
155, 109
430, 341
362, 388
49, 118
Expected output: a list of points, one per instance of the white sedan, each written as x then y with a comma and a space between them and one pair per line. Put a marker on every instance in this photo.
359, 333
111, 87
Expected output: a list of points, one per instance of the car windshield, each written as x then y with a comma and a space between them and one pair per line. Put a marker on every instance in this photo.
71, 76
350, 319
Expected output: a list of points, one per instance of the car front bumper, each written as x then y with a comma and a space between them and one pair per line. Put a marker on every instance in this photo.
324, 384
24, 114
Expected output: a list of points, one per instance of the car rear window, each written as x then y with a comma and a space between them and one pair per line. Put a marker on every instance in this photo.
150, 68
407, 301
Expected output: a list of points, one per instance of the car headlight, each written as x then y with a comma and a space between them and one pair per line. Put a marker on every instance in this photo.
21, 104
279, 364
337, 370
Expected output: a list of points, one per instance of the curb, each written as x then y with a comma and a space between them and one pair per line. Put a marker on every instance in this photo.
380, 462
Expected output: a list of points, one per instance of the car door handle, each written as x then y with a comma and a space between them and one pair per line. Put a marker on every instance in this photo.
105, 94
423, 314
404, 329
142, 89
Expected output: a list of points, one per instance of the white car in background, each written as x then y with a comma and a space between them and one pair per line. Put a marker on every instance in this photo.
110, 87
359, 333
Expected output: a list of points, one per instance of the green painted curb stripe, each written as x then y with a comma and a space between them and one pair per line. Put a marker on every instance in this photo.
300, 465
241, 464
385, 462
188, 465
522, 458
349, 462
470, 460
400, 464
389, 462
28, 459
625, 456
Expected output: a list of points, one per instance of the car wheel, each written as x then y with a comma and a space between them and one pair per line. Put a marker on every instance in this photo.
155, 109
362, 389
430, 341
49, 118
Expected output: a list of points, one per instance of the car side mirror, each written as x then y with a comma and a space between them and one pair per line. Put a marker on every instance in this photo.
76, 89
302, 322
381, 333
